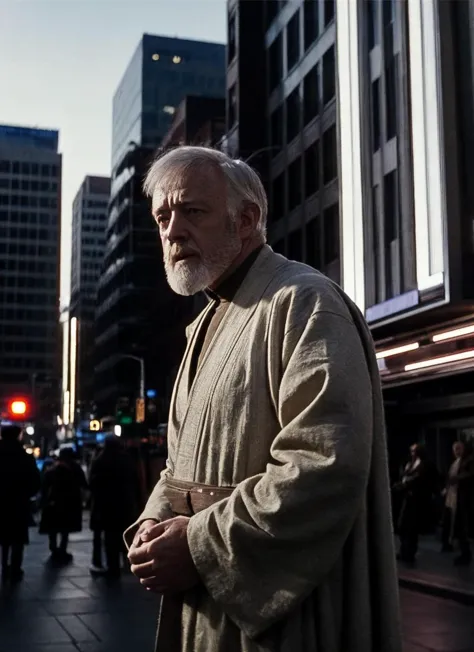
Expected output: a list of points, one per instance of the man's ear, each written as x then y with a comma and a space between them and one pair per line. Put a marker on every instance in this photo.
248, 219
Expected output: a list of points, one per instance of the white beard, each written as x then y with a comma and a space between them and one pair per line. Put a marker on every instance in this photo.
190, 276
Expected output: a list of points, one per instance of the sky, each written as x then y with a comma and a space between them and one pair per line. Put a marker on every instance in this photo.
61, 61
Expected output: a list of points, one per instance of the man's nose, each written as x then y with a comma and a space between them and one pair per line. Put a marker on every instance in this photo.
177, 229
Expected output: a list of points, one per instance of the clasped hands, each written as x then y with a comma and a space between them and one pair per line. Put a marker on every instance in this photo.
160, 556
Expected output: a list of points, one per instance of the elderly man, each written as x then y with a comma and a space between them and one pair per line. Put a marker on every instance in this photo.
270, 528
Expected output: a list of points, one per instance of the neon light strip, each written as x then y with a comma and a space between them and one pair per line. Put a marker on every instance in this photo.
433, 362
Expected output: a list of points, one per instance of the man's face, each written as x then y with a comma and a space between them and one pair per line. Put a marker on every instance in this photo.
458, 449
200, 240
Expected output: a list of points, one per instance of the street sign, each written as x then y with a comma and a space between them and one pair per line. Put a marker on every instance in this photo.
140, 410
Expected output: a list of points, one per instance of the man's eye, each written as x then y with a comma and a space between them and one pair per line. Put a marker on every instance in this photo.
193, 210
162, 219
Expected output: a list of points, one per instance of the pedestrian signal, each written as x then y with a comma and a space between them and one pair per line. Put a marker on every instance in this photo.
94, 426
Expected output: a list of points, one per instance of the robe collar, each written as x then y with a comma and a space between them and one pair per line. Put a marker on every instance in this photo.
227, 290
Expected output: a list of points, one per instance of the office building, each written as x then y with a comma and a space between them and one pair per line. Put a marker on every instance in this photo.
89, 221
367, 162
30, 232
197, 121
137, 313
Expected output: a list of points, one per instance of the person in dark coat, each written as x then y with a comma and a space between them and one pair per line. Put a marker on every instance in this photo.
459, 503
416, 489
114, 499
61, 502
19, 482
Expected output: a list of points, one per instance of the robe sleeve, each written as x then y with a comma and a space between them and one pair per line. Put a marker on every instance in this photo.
264, 549
157, 508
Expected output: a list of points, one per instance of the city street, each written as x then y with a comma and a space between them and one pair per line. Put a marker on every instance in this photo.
68, 611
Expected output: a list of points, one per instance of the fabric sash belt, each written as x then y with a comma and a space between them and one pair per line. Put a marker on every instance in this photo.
188, 498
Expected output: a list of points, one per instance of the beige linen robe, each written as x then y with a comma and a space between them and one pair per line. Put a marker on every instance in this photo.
286, 407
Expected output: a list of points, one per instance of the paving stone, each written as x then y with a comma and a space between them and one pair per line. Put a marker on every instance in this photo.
76, 629
44, 630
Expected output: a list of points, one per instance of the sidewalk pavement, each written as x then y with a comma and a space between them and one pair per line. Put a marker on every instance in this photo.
66, 610
435, 574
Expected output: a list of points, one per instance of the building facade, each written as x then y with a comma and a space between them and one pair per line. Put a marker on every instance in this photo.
367, 159
137, 314
30, 234
89, 221
197, 121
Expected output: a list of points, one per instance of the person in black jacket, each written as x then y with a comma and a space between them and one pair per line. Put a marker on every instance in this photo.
114, 499
61, 502
19, 482
416, 489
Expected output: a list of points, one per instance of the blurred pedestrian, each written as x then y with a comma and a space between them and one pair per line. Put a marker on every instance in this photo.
416, 489
61, 501
19, 482
114, 503
459, 504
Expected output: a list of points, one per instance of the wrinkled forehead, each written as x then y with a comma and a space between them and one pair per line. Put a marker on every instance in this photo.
176, 185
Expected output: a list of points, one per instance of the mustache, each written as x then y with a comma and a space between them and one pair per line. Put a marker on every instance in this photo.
176, 252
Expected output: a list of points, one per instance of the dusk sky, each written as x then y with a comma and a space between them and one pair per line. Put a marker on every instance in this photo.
61, 61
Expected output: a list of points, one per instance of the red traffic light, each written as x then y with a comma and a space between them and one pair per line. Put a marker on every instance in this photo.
18, 408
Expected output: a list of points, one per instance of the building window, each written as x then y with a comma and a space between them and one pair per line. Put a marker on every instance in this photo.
391, 97
376, 115
329, 76
329, 10
5, 166
331, 234
372, 27
311, 162
329, 155
232, 38
376, 243
311, 94
312, 244
278, 197
232, 106
276, 121
311, 22
294, 184
16, 168
295, 246
276, 62
272, 9
390, 207
293, 115
293, 41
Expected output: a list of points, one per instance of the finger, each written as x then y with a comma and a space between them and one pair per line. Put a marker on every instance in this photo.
143, 570
151, 582
154, 531
139, 555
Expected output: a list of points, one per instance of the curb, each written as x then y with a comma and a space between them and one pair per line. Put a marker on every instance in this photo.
437, 590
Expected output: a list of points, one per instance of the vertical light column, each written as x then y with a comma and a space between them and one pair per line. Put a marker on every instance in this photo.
64, 320
350, 154
72, 371
428, 181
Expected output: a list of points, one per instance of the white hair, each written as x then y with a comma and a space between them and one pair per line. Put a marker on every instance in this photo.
243, 183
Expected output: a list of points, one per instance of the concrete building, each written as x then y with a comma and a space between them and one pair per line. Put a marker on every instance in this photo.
367, 159
89, 222
30, 234
137, 314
